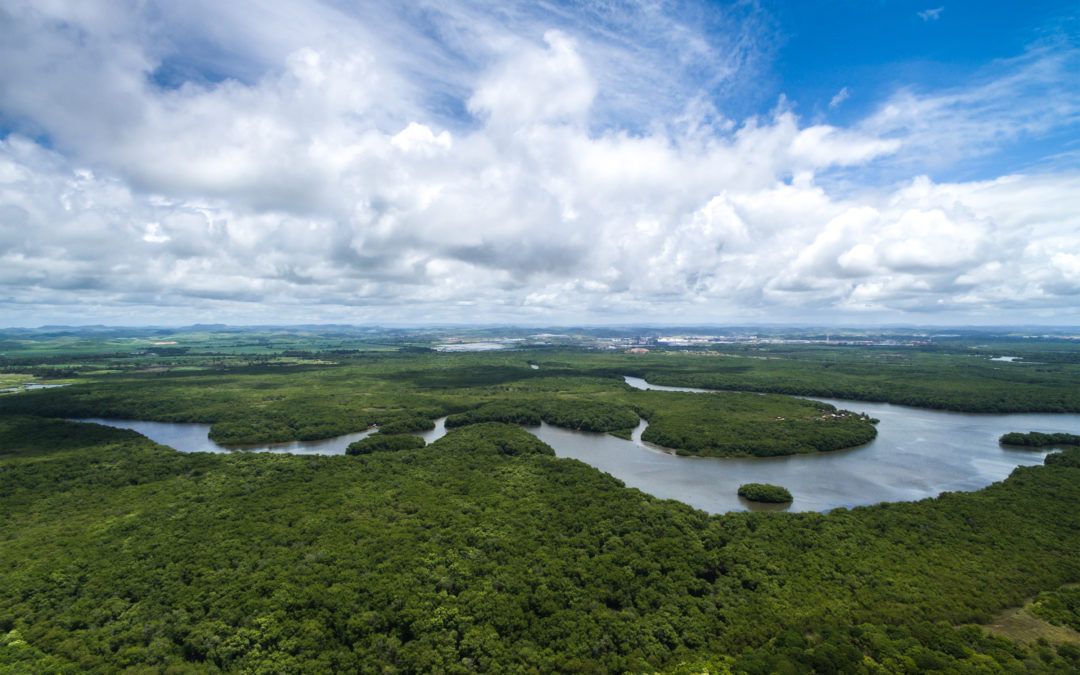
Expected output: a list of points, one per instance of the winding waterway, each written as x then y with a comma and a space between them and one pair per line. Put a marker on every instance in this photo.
195, 437
918, 453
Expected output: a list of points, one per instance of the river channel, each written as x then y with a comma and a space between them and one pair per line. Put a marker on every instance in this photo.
918, 453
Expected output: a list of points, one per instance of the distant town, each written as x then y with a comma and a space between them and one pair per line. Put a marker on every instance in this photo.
644, 340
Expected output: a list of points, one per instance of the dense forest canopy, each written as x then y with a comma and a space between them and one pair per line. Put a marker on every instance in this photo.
483, 551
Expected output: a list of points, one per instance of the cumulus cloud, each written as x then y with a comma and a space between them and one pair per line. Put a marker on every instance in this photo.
319, 181
540, 85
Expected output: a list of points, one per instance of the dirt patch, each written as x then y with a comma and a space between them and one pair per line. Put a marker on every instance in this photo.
1020, 625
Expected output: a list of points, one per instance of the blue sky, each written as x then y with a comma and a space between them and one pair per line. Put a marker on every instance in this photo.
874, 48
539, 162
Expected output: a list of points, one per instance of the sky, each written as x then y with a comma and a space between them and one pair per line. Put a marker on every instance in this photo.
615, 161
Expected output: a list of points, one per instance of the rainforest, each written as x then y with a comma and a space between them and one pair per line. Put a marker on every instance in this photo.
487, 549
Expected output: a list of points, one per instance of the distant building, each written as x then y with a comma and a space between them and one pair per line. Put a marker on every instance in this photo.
637, 350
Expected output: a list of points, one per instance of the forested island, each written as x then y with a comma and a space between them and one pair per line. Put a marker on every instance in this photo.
765, 492
1035, 439
385, 443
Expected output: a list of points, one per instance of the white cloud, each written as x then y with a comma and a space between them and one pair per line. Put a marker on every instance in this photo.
318, 182
931, 14
823, 146
1013, 101
548, 85
154, 234
839, 98
420, 138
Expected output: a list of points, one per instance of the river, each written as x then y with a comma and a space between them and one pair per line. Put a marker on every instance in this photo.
195, 437
918, 453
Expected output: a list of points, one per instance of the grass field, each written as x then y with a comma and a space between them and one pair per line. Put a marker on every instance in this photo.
1021, 624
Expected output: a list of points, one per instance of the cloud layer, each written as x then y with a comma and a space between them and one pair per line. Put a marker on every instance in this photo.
464, 163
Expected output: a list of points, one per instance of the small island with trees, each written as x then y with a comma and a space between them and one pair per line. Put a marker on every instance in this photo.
765, 492
385, 443
1035, 439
